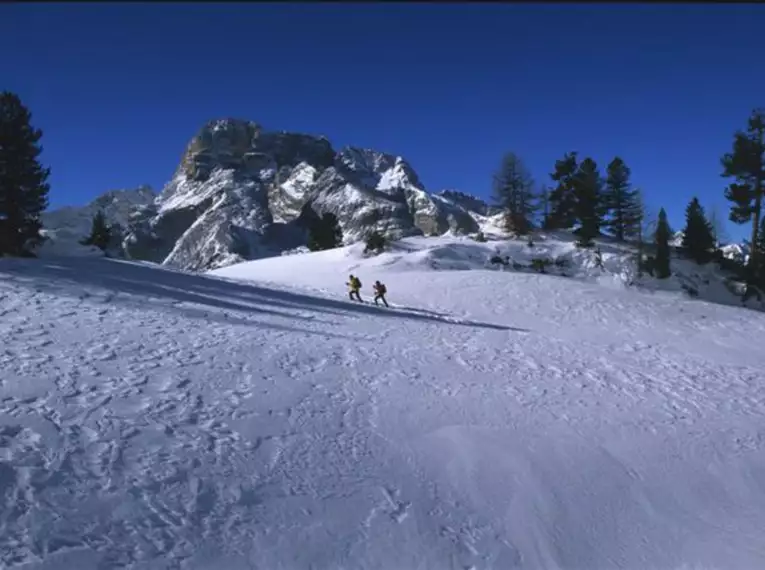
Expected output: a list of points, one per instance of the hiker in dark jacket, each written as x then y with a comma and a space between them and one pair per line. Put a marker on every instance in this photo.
380, 291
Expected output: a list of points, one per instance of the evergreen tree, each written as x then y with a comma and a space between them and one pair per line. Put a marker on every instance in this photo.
759, 272
562, 198
334, 231
588, 187
100, 232
645, 234
23, 180
746, 165
514, 193
324, 233
308, 217
544, 208
621, 201
698, 237
641, 216
376, 242
311, 221
661, 240
717, 223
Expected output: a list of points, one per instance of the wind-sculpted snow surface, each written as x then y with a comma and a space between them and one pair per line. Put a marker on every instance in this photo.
489, 420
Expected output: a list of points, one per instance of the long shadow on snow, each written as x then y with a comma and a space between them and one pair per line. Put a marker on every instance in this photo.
154, 281
64, 277
146, 281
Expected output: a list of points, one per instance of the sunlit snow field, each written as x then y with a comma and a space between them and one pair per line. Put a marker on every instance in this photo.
255, 418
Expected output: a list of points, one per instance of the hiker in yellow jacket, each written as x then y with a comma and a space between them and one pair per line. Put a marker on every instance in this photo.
354, 286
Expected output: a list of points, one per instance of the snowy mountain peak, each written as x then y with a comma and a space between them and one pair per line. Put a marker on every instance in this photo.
243, 146
382, 171
239, 192
117, 204
357, 159
229, 124
66, 227
469, 202
225, 143
677, 239
734, 251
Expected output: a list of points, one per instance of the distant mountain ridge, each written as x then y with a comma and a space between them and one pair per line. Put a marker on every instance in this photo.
734, 251
65, 227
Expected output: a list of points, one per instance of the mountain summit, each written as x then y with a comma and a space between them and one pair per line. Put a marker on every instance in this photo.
239, 193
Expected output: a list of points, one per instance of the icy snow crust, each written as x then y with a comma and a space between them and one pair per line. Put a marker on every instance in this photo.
255, 418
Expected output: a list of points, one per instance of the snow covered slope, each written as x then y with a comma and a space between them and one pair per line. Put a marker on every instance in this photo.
490, 420
456, 253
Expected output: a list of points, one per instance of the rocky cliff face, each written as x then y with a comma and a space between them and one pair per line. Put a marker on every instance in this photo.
239, 191
215, 210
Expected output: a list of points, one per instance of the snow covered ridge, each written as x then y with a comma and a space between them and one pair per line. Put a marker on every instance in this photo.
153, 418
239, 192
64, 228
553, 253
469, 202
67, 226
734, 251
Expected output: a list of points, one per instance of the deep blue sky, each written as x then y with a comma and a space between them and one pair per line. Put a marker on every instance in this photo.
119, 89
